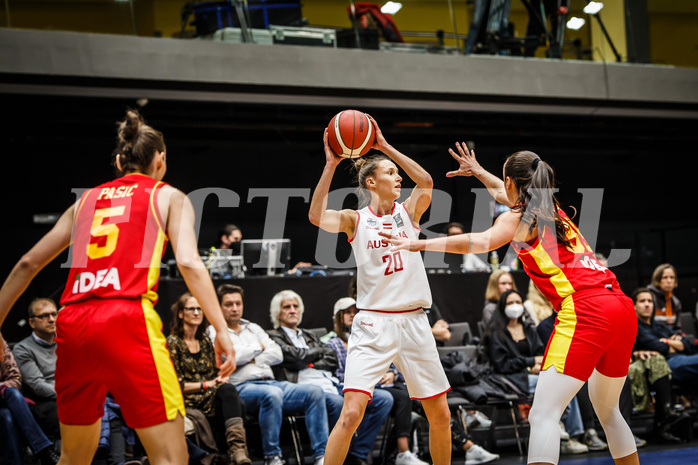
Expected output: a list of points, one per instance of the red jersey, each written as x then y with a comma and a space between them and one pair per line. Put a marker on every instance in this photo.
558, 271
118, 241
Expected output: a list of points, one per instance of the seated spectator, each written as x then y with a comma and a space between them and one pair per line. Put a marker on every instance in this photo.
255, 354
16, 421
454, 228
515, 350
654, 335
36, 358
498, 282
667, 306
649, 372
439, 327
392, 383
229, 237
195, 362
308, 361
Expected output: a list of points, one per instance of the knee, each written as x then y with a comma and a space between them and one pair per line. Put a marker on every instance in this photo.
382, 401
315, 394
6, 420
350, 418
13, 394
273, 397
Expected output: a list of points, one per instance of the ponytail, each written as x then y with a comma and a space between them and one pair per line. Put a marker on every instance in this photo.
136, 144
535, 181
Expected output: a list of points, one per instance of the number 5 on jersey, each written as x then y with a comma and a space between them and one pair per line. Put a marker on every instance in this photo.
110, 231
393, 263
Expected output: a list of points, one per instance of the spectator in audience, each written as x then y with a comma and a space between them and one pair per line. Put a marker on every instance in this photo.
255, 354
650, 373
453, 228
667, 307
393, 383
229, 237
16, 421
515, 350
538, 307
439, 327
498, 282
657, 336
195, 362
308, 361
36, 358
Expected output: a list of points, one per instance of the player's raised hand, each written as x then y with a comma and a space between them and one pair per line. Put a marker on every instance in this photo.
379, 143
330, 156
467, 164
401, 243
224, 347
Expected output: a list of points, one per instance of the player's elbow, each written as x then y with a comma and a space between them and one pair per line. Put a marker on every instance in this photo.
427, 182
188, 262
28, 264
314, 218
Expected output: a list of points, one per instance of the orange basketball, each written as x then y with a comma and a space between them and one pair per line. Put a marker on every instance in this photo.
350, 134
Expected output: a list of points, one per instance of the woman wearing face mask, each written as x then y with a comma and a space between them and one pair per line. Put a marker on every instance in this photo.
513, 345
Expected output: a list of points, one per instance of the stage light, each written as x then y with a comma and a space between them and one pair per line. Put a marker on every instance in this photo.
575, 23
391, 8
593, 8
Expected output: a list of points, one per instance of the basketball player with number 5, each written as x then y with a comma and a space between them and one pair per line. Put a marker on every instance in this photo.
392, 289
108, 334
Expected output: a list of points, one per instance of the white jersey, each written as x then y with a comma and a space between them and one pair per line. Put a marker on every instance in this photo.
388, 280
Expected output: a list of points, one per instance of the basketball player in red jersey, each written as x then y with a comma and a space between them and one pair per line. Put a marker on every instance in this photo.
392, 290
595, 328
108, 334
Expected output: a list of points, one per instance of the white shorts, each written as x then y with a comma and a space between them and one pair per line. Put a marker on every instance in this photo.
379, 339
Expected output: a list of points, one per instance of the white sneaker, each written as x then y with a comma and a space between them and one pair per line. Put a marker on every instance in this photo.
319, 461
573, 447
274, 460
477, 419
564, 435
408, 458
476, 454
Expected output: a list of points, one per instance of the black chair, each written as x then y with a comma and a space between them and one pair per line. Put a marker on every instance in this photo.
458, 332
319, 332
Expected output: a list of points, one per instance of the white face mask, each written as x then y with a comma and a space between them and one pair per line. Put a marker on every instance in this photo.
514, 310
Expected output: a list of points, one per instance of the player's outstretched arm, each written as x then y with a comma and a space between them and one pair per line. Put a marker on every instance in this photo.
469, 166
180, 229
501, 233
333, 221
48, 248
420, 199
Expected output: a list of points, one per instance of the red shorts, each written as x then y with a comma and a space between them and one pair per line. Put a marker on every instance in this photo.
595, 328
115, 346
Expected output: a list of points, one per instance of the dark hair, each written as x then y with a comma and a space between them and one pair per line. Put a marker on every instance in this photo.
177, 323
227, 230
39, 300
453, 224
535, 181
224, 289
639, 291
136, 144
499, 319
365, 167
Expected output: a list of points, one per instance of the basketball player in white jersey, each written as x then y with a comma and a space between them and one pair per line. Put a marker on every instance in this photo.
392, 289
